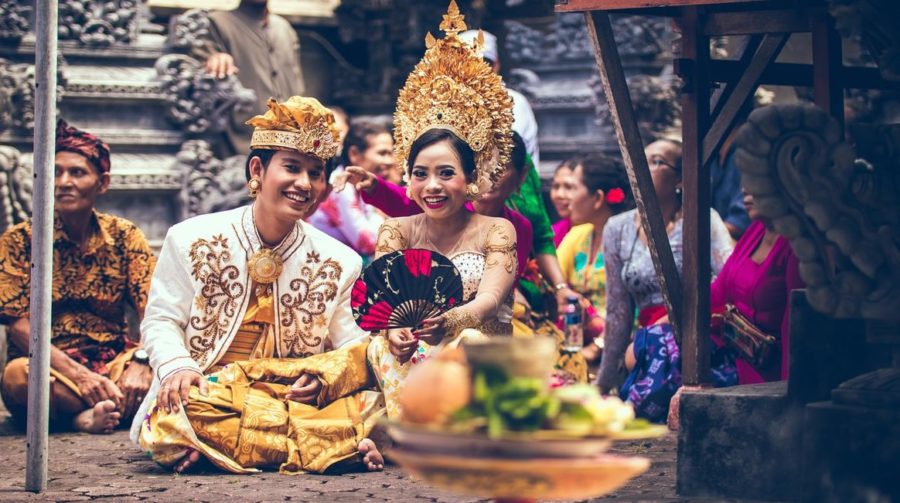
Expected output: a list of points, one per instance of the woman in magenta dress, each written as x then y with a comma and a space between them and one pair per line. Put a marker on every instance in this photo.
757, 279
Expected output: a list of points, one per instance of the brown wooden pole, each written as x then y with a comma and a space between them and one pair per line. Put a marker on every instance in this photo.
616, 89
740, 92
696, 207
827, 56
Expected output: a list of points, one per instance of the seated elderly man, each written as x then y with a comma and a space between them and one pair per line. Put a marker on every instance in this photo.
257, 358
101, 263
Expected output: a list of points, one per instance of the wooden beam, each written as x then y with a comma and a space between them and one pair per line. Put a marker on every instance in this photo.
797, 74
827, 56
721, 93
696, 205
615, 87
743, 90
719, 24
608, 5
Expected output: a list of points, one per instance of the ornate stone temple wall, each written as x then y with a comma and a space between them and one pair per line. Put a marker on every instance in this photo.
125, 75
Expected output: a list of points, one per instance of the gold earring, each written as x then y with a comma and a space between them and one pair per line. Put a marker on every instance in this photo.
253, 187
472, 191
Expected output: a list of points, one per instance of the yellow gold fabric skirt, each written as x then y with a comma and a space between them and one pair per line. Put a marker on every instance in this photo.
246, 423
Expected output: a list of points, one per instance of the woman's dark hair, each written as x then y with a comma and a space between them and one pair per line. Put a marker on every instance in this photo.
570, 163
601, 172
358, 136
265, 157
519, 155
432, 136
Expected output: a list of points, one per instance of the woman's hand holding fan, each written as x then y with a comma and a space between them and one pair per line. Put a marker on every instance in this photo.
408, 289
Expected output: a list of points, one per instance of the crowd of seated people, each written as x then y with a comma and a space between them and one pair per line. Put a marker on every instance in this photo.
261, 294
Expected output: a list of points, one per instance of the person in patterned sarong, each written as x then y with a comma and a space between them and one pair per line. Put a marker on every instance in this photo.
257, 359
101, 265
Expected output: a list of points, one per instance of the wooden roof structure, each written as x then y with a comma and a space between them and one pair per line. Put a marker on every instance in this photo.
713, 94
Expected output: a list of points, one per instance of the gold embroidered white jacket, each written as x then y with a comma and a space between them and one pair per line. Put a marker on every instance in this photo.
201, 289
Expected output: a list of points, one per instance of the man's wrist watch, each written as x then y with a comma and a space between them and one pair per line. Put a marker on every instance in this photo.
140, 356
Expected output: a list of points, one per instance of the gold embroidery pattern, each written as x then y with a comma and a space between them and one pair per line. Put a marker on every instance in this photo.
219, 297
312, 290
499, 241
390, 238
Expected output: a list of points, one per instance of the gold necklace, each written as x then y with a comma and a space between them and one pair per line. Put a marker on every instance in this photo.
265, 265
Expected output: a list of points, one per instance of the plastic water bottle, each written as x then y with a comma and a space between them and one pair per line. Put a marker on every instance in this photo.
572, 325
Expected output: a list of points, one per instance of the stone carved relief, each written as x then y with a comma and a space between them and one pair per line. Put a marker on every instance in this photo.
98, 23
17, 94
209, 184
189, 30
16, 187
13, 20
840, 211
566, 39
876, 23
198, 102
654, 99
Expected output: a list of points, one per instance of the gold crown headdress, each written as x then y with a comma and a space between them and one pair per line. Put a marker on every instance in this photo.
301, 124
453, 88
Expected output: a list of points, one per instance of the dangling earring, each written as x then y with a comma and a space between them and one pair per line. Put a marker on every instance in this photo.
253, 187
472, 192
678, 191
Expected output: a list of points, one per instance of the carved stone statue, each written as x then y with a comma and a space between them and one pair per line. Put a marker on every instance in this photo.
98, 23
210, 184
841, 212
189, 30
13, 20
197, 101
877, 24
17, 94
16, 185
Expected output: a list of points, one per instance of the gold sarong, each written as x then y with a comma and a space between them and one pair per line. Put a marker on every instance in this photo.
245, 422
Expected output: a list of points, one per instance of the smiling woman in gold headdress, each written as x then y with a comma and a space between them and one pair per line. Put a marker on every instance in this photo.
242, 312
453, 139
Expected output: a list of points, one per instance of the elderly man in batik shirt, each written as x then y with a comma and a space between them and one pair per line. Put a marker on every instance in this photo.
257, 358
101, 265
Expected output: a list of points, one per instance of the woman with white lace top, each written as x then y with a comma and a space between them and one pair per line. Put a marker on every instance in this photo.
632, 285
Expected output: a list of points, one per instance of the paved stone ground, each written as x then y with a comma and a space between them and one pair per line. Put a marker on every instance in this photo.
109, 468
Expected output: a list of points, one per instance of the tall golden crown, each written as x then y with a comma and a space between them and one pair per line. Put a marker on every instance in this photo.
301, 124
453, 88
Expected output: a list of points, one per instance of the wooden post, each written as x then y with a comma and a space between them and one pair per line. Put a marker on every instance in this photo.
696, 206
827, 57
46, 12
629, 136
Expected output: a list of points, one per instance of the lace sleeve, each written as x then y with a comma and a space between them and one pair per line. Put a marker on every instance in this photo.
619, 308
497, 282
390, 238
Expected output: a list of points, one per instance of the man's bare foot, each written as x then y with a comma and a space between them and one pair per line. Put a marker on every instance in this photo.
187, 461
371, 457
101, 418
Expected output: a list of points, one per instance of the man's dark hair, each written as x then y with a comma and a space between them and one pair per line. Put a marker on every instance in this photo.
358, 136
265, 157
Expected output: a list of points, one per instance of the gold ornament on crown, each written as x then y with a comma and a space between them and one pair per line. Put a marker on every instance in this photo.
453, 88
301, 124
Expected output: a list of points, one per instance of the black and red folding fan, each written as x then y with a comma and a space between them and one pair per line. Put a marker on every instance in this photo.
404, 288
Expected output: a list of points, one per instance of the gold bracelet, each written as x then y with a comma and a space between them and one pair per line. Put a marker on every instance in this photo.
560, 286
457, 320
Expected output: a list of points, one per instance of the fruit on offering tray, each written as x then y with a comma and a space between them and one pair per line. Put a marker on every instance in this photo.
485, 421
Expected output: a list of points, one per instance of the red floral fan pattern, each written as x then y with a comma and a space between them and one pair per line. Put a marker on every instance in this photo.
404, 288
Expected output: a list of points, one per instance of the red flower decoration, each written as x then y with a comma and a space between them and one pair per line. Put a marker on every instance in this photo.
615, 196
358, 294
418, 262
